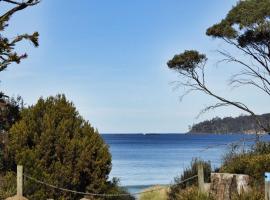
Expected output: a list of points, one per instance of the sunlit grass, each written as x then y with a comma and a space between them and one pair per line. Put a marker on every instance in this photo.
155, 192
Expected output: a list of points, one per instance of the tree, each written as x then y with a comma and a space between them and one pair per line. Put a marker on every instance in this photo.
247, 28
56, 145
9, 114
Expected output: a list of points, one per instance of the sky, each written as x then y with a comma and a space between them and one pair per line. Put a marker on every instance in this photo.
109, 58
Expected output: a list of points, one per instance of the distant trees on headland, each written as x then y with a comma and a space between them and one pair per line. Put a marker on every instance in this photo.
241, 124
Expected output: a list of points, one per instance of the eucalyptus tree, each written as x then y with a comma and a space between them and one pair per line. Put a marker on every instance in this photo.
246, 28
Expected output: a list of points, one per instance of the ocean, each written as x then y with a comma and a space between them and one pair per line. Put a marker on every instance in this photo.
143, 160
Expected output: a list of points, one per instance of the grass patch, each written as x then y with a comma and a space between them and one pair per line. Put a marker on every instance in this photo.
155, 192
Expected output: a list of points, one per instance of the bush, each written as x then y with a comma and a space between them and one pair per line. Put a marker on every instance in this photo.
56, 145
190, 171
254, 162
114, 188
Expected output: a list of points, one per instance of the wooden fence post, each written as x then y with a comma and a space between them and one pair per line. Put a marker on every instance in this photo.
20, 180
19, 195
267, 185
201, 178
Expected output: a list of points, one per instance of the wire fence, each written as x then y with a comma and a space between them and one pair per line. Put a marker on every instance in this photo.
136, 193
100, 195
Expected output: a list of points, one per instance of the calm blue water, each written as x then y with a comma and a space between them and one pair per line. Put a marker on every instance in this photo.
142, 160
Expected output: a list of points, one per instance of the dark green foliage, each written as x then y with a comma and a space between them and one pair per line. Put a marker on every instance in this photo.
114, 188
241, 124
56, 145
190, 171
10, 113
186, 61
254, 162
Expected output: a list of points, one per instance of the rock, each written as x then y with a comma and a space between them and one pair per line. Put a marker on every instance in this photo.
224, 185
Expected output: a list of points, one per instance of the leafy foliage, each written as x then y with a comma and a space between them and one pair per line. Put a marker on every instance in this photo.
10, 113
55, 144
114, 188
253, 162
190, 171
186, 61
247, 21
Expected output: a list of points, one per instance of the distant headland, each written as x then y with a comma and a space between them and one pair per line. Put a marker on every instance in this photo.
242, 124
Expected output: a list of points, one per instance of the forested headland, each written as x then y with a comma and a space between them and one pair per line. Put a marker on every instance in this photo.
242, 124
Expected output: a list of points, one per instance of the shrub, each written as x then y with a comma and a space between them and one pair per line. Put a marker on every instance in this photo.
56, 145
254, 162
114, 188
190, 171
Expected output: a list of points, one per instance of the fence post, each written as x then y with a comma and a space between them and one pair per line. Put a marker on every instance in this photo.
201, 178
267, 185
20, 180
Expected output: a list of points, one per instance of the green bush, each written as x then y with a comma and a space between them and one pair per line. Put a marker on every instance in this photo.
254, 162
114, 188
56, 145
177, 187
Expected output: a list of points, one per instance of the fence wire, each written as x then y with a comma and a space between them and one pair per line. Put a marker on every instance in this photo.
136, 193
99, 195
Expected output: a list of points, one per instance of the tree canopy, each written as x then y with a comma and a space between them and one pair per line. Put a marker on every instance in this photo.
247, 28
56, 145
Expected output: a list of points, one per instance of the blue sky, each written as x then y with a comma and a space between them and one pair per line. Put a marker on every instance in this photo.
109, 58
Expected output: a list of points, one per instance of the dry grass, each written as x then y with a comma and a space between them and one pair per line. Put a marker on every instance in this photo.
155, 193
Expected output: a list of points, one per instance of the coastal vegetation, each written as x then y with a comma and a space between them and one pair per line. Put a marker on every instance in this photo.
247, 29
181, 190
57, 146
53, 142
253, 162
241, 124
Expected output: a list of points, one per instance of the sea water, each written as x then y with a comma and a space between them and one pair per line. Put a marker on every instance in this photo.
143, 160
